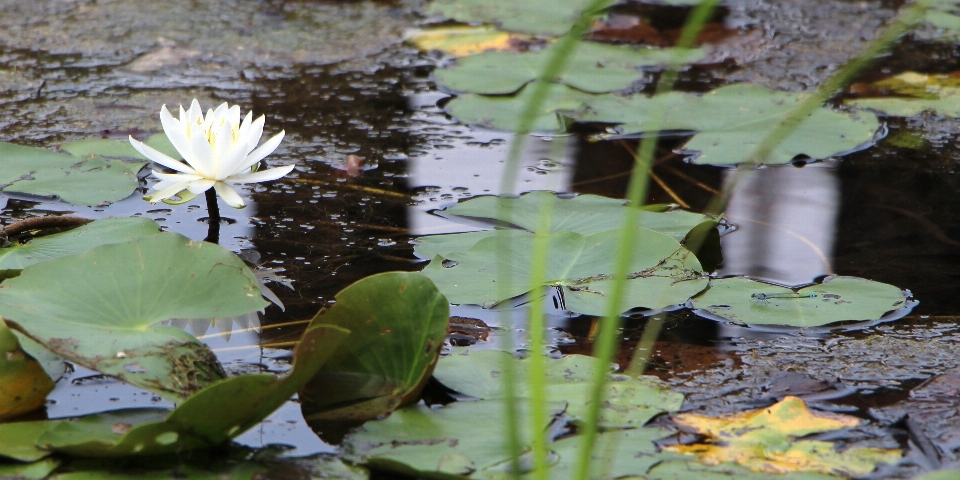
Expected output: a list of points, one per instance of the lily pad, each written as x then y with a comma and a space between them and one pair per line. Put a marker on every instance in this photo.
630, 402
837, 299
729, 122
29, 471
676, 469
100, 308
524, 17
115, 148
664, 272
24, 384
765, 440
916, 93
461, 41
77, 240
398, 323
209, 418
456, 440
504, 112
593, 67
18, 441
84, 181
584, 214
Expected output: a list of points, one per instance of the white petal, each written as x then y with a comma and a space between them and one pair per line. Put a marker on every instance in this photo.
195, 114
200, 186
253, 137
232, 116
261, 176
185, 196
266, 149
161, 158
166, 192
222, 145
243, 131
176, 177
175, 132
202, 159
229, 195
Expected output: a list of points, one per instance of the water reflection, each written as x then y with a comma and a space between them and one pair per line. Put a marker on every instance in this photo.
786, 224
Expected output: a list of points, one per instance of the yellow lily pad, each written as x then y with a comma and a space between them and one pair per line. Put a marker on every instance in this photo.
910, 93
463, 41
765, 441
24, 384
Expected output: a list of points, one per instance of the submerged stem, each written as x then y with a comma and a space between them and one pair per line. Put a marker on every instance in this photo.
213, 217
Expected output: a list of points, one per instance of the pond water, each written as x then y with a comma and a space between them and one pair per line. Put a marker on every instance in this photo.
376, 156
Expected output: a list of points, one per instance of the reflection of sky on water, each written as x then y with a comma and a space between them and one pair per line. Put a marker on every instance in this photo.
786, 224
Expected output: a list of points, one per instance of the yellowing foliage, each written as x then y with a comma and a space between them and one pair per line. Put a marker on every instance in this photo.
765, 441
23, 383
463, 41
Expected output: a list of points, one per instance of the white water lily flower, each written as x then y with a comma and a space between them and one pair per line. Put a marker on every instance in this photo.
218, 150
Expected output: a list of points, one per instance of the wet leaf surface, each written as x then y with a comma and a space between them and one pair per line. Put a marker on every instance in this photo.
593, 67
837, 299
78, 240
398, 323
716, 140
84, 181
503, 112
766, 441
631, 402
24, 384
99, 308
581, 264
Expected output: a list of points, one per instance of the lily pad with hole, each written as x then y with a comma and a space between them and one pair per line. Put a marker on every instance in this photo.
83, 181
77, 240
503, 112
662, 272
584, 214
726, 124
593, 67
209, 418
630, 402
399, 322
837, 299
100, 308
524, 17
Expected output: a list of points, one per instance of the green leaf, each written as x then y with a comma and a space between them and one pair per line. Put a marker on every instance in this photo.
729, 122
99, 308
633, 453
102, 147
662, 270
630, 402
593, 67
29, 471
209, 418
228, 471
18, 441
398, 323
449, 442
674, 469
504, 112
77, 240
837, 299
524, 17
90, 181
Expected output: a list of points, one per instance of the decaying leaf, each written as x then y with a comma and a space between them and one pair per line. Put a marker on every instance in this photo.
765, 440
24, 384
461, 41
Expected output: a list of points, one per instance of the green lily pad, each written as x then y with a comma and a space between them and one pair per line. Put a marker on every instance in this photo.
630, 402
100, 308
584, 214
633, 453
29, 471
449, 442
664, 272
209, 418
83, 181
523, 17
235, 471
504, 112
398, 323
674, 469
729, 122
593, 67
77, 240
916, 93
103, 147
18, 441
837, 299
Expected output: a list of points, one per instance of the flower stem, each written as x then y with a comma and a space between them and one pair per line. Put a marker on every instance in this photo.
213, 217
